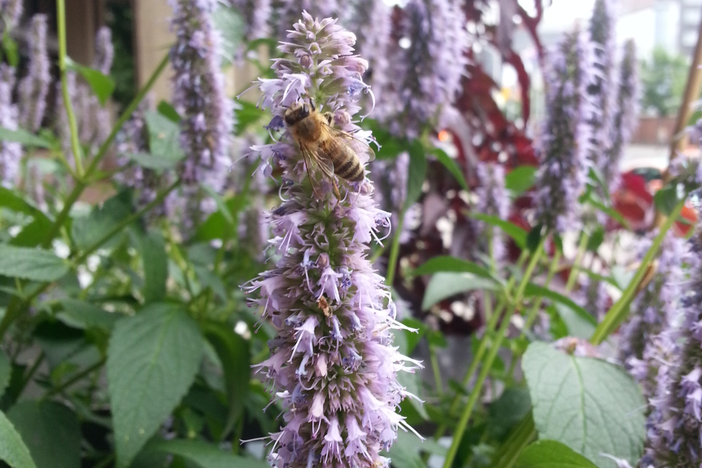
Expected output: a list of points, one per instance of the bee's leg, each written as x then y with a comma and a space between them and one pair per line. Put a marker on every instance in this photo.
336, 190
329, 117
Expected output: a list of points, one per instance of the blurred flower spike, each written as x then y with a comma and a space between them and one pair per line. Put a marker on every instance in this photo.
332, 362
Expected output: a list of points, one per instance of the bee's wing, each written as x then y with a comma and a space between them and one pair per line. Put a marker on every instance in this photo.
311, 158
346, 138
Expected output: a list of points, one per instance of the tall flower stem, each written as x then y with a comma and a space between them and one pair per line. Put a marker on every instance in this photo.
492, 354
61, 27
394, 251
620, 309
573, 276
482, 346
552, 269
81, 184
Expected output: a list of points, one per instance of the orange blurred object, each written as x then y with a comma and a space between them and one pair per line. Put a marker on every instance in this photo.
444, 135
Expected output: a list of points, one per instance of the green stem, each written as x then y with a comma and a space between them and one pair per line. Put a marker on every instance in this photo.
435, 369
552, 269
508, 454
76, 378
30, 373
578, 259
619, 310
61, 29
394, 252
492, 354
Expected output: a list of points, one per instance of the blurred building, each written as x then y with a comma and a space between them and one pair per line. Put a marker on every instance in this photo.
670, 24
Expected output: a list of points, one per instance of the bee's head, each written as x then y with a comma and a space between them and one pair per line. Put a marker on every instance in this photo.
296, 113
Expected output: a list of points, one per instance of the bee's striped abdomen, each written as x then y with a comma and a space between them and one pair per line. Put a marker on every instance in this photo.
350, 169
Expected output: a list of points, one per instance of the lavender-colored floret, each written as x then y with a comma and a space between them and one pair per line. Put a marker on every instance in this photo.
34, 88
10, 152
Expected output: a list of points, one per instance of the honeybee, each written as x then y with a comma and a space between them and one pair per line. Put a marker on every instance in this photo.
324, 146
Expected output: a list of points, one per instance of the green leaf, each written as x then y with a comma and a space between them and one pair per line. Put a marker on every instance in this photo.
505, 413
12, 448
577, 325
520, 179
151, 362
31, 264
444, 285
589, 405
83, 315
518, 234
155, 162
164, 136
102, 219
51, 432
533, 290
598, 182
221, 205
155, 260
534, 238
167, 110
451, 165
23, 136
666, 199
453, 265
551, 454
595, 240
247, 114
5, 372
231, 27
15, 202
609, 211
102, 85
205, 455
10, 47
417, 173
233, 352
407, 449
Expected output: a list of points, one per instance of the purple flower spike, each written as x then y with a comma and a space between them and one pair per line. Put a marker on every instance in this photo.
199, 94
10, 152
625, 117
593, 297
428, 72
675, 421
256, 14
332, 362
492, 201
104, 50
564, 139
11, 10
35, 86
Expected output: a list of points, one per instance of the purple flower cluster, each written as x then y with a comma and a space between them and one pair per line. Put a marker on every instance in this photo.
593, 297
10, 152
601, 89
288, 12
34, 88
104, 51
492, 200
199, 94
564, 139
11, 11
675, 421
332, 362
256, 14
427, 74
625, 118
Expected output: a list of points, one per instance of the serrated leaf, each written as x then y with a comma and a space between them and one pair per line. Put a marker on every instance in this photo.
534, 238
551, 454
167, 110
155, 261
534, 290
589, 405
31, 264
417, 173
152, 161
83, 315
451, 165
151, 362
5, 372
102, 219
205, 455
520, 179
451, 264
666, 199
518, 234
444, 285
102, 85
13, 451
51, 432
164, 136
233, 352
23, 136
